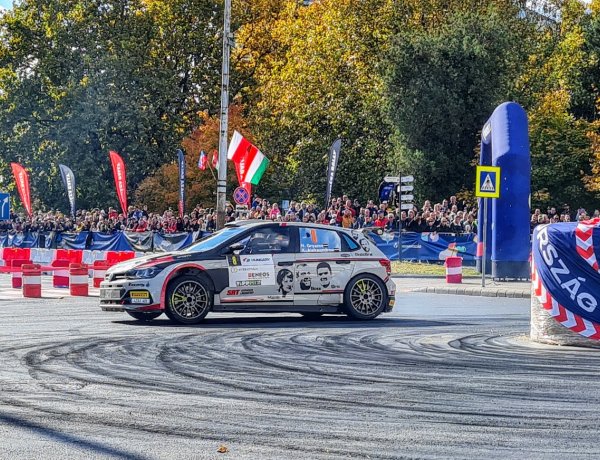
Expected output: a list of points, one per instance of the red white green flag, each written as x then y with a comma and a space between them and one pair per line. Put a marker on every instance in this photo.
250, 161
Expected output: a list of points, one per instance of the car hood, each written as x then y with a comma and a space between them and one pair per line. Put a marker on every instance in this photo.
131, 264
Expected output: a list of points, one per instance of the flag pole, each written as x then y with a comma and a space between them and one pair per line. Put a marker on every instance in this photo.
222, 172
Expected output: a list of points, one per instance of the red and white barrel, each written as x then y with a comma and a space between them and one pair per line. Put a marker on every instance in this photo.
453, 269
17, 275
100, 268
60, 276
78, 280
32, 281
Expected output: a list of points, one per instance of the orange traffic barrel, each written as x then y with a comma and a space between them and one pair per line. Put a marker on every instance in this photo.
32, 280
78, 280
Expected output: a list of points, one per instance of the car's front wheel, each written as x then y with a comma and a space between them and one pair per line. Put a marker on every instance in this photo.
144, 315
365, 297
189, 299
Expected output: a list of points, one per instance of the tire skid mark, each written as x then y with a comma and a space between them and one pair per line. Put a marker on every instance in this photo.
316, 375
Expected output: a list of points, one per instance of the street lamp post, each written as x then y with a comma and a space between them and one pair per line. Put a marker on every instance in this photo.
222, 173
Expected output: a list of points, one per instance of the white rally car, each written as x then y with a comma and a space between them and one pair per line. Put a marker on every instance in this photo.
257, 266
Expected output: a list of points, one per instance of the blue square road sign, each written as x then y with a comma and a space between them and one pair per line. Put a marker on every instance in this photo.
487, 183
4, 206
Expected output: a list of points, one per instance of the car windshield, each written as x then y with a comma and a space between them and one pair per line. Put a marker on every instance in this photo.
214, 240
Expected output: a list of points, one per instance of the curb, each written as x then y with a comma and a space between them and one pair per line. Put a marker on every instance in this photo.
477, 291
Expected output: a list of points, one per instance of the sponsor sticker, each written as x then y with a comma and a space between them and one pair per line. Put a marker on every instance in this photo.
248, 283
139, 294
235, 292
246, 269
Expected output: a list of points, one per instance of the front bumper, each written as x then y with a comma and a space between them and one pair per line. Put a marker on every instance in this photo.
129, 295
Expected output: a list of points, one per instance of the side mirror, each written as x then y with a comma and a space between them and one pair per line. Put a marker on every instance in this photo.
235, 247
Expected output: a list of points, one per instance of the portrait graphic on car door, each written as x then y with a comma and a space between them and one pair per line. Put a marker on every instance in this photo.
320, 269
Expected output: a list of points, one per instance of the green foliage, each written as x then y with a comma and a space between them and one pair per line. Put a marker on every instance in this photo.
319, 82
80, 78
560, 86
406, 85
442, 85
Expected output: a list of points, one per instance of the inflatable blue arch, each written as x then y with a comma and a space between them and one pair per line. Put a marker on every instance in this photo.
505, 143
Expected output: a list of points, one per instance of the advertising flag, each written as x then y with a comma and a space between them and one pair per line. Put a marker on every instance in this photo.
68, 179
22, 180
181, 161
202, 161
120, 176
334, 156
247, 157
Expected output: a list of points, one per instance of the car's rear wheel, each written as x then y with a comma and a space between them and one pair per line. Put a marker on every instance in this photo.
144, 315
189, 299
365, 297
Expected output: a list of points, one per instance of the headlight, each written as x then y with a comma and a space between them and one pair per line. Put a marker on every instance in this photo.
150, 272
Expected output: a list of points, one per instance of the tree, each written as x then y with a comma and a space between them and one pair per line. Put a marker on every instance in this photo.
443, 81
162, 187
80, 78
317, 79
560, 89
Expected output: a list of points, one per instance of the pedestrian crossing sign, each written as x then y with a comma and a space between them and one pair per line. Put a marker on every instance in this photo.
487, 183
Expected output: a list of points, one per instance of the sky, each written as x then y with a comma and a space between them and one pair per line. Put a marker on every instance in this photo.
6, 3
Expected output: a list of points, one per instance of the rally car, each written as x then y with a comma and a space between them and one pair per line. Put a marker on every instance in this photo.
266, 267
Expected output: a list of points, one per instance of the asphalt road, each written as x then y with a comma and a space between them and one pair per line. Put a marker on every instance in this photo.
443, 376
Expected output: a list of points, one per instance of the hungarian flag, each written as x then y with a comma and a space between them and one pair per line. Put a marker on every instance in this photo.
22, 181
118, 166
215, 160
242, 152
202, 161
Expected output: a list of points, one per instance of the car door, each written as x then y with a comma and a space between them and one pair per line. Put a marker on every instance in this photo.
321, 266
261, 272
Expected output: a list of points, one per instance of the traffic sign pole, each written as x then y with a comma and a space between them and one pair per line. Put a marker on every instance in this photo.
484, 255
487, 188
402, 201
400, 226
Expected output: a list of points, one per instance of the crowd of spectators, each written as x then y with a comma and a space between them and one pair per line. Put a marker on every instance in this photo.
553, 216
137, 219
448, 216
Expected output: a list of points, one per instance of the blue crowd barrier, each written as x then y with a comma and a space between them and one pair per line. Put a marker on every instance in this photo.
428, 247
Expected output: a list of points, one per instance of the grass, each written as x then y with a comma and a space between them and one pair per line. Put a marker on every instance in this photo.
417, 268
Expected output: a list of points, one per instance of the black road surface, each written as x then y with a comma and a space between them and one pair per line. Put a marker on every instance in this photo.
442, 377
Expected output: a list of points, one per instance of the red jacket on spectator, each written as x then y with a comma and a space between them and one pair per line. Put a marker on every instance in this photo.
142, 226
381, 222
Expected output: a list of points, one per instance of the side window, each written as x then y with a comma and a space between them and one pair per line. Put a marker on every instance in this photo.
349, 244
319, 240
269, 240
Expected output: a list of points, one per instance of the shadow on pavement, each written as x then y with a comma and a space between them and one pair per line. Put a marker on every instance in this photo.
325, 322
79, 443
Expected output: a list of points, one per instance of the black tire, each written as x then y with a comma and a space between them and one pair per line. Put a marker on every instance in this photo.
312, 315
144, 315
198, 300
365, 297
